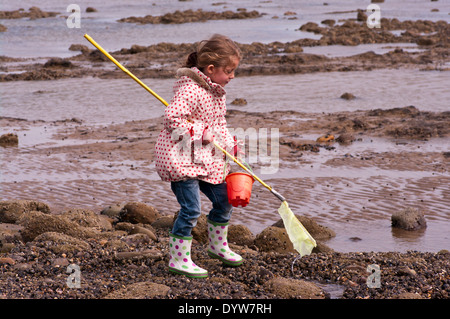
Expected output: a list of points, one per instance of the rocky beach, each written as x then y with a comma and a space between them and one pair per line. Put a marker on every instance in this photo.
80, 196
122, 254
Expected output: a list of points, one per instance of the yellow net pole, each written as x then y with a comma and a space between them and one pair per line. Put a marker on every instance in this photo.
120, 66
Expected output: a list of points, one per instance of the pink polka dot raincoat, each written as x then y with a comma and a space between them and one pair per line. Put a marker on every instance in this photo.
198, 104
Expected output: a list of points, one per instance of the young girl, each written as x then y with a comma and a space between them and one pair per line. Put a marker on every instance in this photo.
186, 156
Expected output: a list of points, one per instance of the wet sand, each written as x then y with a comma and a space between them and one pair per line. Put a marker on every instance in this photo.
380, 161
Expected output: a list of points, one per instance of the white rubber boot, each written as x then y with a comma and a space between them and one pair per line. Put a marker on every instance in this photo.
218, 244
180, 258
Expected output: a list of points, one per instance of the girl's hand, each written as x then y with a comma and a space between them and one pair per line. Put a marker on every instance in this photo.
237, 149
207, 137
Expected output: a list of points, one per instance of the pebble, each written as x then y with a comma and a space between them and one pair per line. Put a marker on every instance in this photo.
7, 260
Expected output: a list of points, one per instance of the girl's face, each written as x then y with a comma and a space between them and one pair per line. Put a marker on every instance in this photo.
222, 75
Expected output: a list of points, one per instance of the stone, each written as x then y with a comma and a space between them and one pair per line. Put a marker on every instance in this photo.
9, 232
321, 248
408, 295
58, 63
136, 239
317, 231
6, 247
112, 211
154, 254
345, 138
239, 101
133, 229
408, 219
88, 218
347, 96
311, 27
274, 239
36, 223
163, 222
136, 213
240, 235
361, 16
9, 139
294, 289
11, 211
406, 271
7, 260
79, 47
329, 22
60, 262
62, 243
140, 290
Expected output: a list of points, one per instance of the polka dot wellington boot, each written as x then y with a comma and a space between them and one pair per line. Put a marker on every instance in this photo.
218, 244
180, 258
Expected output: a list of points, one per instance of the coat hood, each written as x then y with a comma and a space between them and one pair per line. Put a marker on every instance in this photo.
199, 77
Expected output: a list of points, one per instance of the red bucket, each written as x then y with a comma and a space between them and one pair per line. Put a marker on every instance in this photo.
239, 188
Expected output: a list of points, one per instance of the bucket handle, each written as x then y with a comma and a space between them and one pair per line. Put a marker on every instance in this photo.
227, 163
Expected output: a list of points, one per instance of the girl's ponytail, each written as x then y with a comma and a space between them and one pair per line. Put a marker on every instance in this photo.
191, 60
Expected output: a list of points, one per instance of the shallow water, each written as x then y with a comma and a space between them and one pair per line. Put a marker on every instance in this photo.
51, 36
98, 101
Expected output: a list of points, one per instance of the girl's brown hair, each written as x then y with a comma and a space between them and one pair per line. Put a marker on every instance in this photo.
218, 51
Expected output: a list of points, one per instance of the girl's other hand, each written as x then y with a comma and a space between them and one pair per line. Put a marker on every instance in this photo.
207, 137
238, 148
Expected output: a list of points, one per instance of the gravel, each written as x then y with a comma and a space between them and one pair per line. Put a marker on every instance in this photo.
132, 267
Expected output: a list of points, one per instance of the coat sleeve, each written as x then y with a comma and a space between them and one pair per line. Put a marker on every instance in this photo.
177, 115
226, 140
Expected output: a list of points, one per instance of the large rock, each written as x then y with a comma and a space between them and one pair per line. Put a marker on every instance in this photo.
134, 229
9, 139
88, 218
274, 239
136, 213
62, 243
112, 211
317, 231
408, 219
163, 222
11, 211
9, 232
240, 235
36, 223
294, 289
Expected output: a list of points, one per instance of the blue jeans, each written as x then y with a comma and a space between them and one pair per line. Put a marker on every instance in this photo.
188, 196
